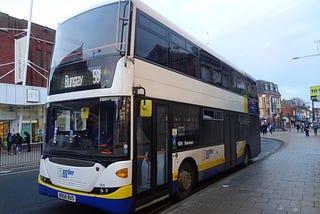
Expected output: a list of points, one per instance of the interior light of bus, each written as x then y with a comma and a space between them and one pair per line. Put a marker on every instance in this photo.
122, 173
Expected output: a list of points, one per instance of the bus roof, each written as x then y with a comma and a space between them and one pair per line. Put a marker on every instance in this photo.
151, 12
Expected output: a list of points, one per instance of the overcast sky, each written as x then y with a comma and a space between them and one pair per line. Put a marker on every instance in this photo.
258, 36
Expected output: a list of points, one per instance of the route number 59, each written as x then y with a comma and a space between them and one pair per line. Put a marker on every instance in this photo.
96, 75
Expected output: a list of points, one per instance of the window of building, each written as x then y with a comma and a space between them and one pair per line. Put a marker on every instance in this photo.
49, 58
271, 87
39, 60
267, 100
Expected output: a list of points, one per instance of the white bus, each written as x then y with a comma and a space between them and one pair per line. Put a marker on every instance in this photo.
138, 110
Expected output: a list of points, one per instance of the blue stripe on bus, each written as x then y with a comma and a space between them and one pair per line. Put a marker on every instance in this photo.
240, 159
209, 173
109, 205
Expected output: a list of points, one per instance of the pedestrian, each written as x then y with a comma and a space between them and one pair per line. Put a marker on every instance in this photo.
264, 129
18, 142
14, 142
315, 128
270, 128
40, 133
306, 129
27, 140
298, 127
9, 141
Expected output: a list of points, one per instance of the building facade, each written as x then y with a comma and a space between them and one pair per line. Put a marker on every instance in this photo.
22, 105
269, 102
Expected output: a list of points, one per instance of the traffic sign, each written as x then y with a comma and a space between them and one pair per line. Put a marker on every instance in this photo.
315, 93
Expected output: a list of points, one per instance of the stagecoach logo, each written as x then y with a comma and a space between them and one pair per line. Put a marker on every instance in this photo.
71, 82
209, 153
64, 173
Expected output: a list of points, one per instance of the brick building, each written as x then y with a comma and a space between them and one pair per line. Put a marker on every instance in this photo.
269, 102
16, 99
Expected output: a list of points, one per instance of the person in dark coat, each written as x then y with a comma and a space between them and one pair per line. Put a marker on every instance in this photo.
264, 129
306, 129
9, 141
18, 142
27, 139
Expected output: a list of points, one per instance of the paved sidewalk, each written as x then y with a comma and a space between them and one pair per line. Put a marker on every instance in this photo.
287, 181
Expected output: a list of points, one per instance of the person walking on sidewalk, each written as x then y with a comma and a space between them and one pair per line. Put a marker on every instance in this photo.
315, 128
270, 128
264, 129
27, 139
306, 129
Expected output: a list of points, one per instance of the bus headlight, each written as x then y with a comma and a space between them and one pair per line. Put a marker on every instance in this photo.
122, 173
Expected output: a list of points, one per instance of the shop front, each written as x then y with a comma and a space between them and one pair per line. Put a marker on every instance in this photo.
22, 108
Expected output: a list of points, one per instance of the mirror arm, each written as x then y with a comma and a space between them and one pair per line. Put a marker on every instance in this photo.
135, 91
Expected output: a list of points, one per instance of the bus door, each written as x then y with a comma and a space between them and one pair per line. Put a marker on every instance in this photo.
152, 177
230, 130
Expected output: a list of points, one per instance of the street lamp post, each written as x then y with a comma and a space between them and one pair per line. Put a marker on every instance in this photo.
313, 114
299, 57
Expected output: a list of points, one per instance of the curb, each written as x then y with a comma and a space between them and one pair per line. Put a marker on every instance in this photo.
269, 152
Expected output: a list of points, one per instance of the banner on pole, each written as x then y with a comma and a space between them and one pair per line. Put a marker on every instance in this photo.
20, 55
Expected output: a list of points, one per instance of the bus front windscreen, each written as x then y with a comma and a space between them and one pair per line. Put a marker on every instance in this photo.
85, 54
87, 129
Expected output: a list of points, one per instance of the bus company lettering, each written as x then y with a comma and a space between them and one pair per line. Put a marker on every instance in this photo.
65, 172
71, 82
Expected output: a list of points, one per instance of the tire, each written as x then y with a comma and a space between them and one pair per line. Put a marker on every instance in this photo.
186, 181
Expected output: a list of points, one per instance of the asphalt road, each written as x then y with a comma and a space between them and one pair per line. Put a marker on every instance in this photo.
19, 194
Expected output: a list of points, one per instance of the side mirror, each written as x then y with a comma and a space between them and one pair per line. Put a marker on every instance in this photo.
84, 113
145, 108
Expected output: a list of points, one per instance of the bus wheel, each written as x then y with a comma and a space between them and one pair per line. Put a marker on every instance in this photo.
185, 181
246, 157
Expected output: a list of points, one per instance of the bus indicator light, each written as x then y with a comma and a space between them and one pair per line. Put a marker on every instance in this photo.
122, 173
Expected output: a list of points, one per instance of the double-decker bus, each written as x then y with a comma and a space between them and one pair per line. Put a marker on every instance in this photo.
138, 111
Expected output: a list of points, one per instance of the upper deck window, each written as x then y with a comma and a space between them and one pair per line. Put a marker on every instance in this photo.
85, 54
159, 44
